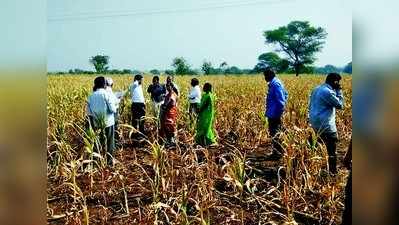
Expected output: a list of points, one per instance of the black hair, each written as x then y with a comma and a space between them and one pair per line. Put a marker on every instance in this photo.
207, 87
194, 82
138, 77
169, 78
331, 77
155, 78
99, 82
269, 70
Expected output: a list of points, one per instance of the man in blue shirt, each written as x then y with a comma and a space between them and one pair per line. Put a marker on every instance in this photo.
323, 102
276, 99
157, 92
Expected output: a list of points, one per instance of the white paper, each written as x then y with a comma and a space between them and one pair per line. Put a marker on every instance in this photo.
120, 94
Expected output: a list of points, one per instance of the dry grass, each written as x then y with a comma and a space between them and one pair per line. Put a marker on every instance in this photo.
227, 184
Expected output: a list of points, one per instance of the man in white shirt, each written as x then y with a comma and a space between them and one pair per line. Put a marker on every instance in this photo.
138, 104
109, 83
101, 109
194, 98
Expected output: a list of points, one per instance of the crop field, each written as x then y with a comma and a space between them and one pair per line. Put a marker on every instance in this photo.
231, 183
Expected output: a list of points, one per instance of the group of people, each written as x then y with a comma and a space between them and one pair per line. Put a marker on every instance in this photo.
103, 107
103, 104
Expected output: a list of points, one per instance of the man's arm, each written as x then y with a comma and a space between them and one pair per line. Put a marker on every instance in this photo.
334, 98
111, 104
279, 99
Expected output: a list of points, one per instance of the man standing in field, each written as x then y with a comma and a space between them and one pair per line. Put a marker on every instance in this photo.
101, 109
157, 92
109, 83
323, 101
276, 99
138, 104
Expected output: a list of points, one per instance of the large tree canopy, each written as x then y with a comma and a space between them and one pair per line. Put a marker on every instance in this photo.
299, 41
100, 63
278, 64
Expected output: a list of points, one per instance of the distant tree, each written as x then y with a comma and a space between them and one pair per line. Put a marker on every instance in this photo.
169, 72
115, 71
223, 66
207, 67
127, 71
327, 69
136, 72
233, 70
181, 66
299, 41
193, 72
348, 68
278, 64
155, 72
331, 69
271, 58
78, 71
216, 71
100, 63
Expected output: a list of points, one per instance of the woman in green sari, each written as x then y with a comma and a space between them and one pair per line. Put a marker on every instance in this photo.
205, 132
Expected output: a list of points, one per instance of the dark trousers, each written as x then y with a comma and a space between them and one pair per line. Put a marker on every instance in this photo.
275, 126
194, 108
193, 112
347, 214
109, 134
138, 114
107, 139
330, 140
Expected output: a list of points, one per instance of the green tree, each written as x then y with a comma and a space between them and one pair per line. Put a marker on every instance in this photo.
299, 41
233, 70
223, 67
127, 71
155, 72
348, 68
100, 63
181, 66
207, 67
278, 64
169, 72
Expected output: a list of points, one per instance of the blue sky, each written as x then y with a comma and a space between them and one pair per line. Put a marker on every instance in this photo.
148, 34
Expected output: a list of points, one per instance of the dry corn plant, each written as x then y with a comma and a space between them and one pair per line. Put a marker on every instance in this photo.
231, 183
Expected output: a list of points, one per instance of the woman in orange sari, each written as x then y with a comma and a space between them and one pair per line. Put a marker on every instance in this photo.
168, 117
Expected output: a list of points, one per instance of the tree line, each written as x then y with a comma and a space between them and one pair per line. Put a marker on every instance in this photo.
297, 42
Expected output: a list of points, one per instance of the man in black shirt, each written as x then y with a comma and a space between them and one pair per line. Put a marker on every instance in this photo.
157, 92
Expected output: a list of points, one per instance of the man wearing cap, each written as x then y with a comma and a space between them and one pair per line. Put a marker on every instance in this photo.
324, 100
109, 83
276, 99
138, 104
